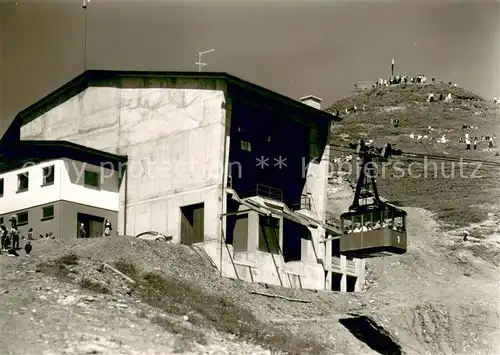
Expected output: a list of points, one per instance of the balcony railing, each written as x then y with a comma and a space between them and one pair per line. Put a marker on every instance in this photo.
305, 203
350, 266
264, 191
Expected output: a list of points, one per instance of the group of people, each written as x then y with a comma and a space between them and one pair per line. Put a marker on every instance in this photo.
10, 238
446, 98
402, 79
405, 79
358, 227
474, 141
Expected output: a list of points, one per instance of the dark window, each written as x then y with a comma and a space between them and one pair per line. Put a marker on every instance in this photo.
47, 212
48, 175
22, 182
192, 223
246, 146
22, 218
91, 178
1, 220
1, 187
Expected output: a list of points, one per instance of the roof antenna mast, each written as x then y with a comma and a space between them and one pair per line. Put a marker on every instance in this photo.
199, 63
84, 6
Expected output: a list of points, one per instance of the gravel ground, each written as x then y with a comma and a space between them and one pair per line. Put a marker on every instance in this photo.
440, 297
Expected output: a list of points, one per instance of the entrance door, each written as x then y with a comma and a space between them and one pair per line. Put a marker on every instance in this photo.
94, 225
192, 223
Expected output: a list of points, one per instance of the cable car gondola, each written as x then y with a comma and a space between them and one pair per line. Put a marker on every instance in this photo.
374, 229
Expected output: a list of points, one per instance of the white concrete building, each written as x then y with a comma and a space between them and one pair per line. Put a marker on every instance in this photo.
52, 187
212, 159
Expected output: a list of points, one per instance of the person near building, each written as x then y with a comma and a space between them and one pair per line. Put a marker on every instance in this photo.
14, 232
4, 235
81, 231
107, 228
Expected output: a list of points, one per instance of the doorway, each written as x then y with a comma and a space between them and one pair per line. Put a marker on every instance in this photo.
94, 225
336, 281
193, 223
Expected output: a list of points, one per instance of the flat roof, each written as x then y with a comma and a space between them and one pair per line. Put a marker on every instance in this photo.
91, 78
15, 155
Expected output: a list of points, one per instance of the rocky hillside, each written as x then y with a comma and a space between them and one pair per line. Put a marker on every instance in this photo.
429, 292
458, 195
67, 299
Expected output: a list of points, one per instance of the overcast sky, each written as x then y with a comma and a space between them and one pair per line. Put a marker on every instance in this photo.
293, 47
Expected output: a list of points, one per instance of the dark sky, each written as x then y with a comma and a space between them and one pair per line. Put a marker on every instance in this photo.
293, 47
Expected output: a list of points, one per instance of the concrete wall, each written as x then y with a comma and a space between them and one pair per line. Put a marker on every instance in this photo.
316, 185
173, 133
249, 264
90, 119
35, 220
64, 223
296, 274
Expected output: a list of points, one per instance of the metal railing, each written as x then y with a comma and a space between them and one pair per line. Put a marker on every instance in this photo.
265, 191
350, 266
305, 203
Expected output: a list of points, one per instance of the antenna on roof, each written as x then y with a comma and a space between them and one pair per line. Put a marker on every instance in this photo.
84, 6
199, 63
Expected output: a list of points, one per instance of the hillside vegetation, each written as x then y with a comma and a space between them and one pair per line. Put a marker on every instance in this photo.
457, 198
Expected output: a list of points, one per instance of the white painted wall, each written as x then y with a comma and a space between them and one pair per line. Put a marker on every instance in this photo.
36, 194
73, 189
68, 185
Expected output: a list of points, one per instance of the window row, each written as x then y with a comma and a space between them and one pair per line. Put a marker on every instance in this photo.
46, 213
91, 179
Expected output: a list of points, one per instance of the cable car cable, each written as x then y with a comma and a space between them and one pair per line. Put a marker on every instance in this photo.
430, 156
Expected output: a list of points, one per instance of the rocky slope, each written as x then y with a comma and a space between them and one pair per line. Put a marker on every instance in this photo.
440, 297
459, 195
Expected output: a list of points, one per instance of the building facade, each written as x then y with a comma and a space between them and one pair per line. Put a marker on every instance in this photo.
54, 193
212, 159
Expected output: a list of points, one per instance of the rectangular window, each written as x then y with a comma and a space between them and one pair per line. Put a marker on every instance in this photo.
47, 212
22, 182
246, 146
1, 220
48, 175
1, 187
22, 218
91, 178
